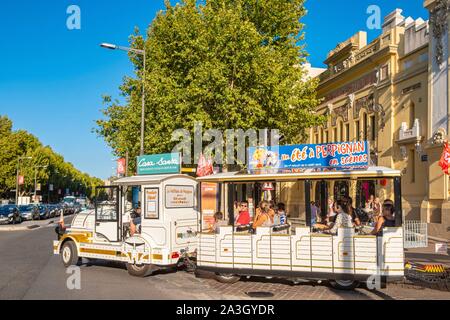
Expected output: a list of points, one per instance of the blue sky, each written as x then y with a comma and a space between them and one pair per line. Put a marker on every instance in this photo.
52, 78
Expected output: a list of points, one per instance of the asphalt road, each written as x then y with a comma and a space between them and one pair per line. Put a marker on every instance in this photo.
29, 270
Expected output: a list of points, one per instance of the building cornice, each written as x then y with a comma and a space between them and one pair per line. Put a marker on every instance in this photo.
409, 54
406, 75
385, 51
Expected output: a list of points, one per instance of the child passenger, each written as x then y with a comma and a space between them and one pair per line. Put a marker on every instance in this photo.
218, 221
280, 215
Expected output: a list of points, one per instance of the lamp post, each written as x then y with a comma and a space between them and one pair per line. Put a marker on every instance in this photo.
17, 176
141, 52
35, 179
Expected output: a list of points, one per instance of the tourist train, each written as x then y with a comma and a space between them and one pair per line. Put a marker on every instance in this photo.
178, 220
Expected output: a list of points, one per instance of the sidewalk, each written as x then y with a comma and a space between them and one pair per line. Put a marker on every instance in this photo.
427, 255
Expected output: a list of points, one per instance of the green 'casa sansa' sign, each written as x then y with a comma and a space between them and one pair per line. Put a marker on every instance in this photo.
159, 164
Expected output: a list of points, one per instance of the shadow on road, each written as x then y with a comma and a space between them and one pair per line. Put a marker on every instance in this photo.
121, 265
102, 263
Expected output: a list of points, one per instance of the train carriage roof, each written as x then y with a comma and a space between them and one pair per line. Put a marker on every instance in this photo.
368, 173
148, 179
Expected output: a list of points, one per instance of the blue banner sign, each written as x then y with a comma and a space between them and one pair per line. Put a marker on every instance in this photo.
293, 157
159, 164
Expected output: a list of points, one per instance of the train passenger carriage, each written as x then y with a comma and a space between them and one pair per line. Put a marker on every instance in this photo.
297, 249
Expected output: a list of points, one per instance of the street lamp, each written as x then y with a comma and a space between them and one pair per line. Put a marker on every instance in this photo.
35, 179
141, 52
17, 176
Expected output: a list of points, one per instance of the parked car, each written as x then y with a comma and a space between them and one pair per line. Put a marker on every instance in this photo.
9, 213
58, 209
77, 207
44, 212
69, 205
29, 212
53, 210
68, 208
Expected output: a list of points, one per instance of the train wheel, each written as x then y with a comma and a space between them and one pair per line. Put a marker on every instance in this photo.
69, 254
344, 284
227, 278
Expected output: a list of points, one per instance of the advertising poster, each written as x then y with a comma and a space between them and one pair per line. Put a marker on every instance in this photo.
279, 159
151, 204
209, 203
179, 197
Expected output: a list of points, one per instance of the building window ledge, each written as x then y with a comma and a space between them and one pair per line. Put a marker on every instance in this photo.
410, 140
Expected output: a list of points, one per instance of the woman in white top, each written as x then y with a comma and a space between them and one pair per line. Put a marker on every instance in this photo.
343, 218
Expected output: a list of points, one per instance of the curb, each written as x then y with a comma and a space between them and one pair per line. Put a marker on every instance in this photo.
435, 239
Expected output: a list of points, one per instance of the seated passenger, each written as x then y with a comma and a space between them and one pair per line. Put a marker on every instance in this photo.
263, 218
331, 215
370, 202
386, 219
280, 215
259, 209
343, 218
136, 220
376, 207
218, 222
243, 217
315, 213
348, 203
387, 201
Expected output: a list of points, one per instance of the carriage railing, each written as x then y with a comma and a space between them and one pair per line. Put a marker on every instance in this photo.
415, 234
354, 251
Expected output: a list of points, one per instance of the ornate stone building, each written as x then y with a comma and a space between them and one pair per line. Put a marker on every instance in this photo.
393, 92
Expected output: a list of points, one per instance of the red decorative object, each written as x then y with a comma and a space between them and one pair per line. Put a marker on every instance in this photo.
204, 167
444, 163
121, 163
383, 182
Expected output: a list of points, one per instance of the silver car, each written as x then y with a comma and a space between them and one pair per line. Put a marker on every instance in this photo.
29, 212
9, 213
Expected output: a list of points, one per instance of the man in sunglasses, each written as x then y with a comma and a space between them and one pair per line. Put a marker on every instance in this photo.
243, 217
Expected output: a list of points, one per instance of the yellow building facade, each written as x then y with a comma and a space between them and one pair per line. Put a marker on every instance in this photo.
393, 92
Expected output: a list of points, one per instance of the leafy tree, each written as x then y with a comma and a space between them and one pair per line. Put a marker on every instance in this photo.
5, 126
15, 144
227, 63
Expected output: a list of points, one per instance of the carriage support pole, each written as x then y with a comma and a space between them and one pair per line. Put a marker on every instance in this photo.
398, 201
230, 202
308, 202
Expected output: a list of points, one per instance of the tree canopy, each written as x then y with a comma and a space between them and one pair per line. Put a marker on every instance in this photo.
231, 64
62, 174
